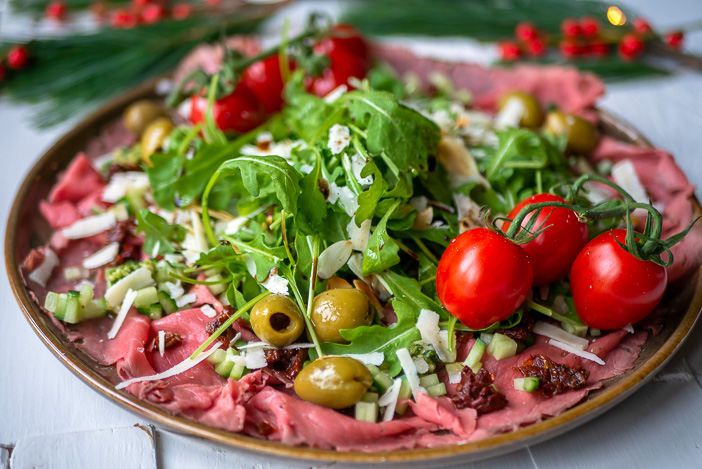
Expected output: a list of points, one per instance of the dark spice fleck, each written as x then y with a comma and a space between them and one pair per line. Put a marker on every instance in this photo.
477, 391
323, 188
555, 378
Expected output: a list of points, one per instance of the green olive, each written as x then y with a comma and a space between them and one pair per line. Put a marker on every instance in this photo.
581, 136
342, 308
334, 382
140, 114
533, 116
277, 320
154, 136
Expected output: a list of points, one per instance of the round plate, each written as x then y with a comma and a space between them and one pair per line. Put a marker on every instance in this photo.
26, 230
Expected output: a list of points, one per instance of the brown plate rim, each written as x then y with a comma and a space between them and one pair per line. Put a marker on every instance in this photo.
498, 444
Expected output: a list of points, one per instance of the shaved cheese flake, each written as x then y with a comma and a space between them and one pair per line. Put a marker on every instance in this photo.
199, 231
235, 358
345, 196
336, 93
102, 257
421, 364
122, 313
359, 235
186, 300
629, 328
454, 376
389, 400
582, 354
294, 346
185, 365
357, 165
255, 345
161, 342
42, 273
122, 183
154, 251
555, 332
256, 358
208, 311
90, 226
355, 263
175, 290
624, 174
372, 358
276, 284
419, 203
511, 114
235, 225
339, 138
410, 371
140, 278
333, 258
428, 326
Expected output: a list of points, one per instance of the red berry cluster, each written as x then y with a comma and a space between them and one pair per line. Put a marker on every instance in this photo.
139, 12
632, 44
17, 58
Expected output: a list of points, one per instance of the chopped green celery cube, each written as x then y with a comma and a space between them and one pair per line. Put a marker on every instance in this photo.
218, 288
595, 332
224, 368
502, 347
94, 309
529, 384
382, 381
429, 380
74, 311
366, 411
436, 390
238, 371
476, 353
218, 356
454, 368
405, 393
61, 306
370, 397
146, 296
86, 294
579, 330
51, 302
168, 304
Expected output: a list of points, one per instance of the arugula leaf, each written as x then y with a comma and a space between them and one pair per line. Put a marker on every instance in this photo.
368, 339
405, 135
158, 232
409, 292
368, 199
198, 170
218, 255
381, 251
308, 115
283, 177
311, 205
265, 257
163, 174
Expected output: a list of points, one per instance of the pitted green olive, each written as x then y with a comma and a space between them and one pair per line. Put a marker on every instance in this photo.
342, 308
154, 136
140, 114
580, 134
532, 116
334, 382
276, 319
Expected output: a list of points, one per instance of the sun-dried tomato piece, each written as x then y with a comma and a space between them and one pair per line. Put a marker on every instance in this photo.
555, 378
477, 391
521, 331
288, 361
170, 339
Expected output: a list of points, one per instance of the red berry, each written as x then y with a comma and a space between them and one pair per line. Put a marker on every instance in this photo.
674, 39
535, 47
181, 11
590, 26
641, 26
152, 13
17, 57
570, 48
123, 18
570, 28
56, 10
509, 51
526, 31
630, 47
598, 49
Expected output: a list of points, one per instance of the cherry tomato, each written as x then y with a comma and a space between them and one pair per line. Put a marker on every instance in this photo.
347, 39
483, 277
342, 67
611, 288
263, 78
238, 112
553, 251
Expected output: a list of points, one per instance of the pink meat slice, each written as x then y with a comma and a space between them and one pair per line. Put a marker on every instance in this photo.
59, 214
79, 180
442, 412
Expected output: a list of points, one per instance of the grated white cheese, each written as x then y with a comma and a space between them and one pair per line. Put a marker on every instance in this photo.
276, 284
389, 400
333, 258
122, 183
140, 278
256, 358
629, 328
122, 313
161, 342
199, 231
357, 165
455, 377
154, 251
208, 311
575, 351
102, 257
175, 290
90, 226
511, 114
336, 93
339, 138
410, 371
372, 358
42, 273
235, 225
185, 365
624, 174
345, 196
359, 235
421, 364
265, 145
555, 332
186, 300
428, 326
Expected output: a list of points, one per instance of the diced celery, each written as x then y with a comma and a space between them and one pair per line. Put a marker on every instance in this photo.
429, 380
162, 272
476, 353
529, 384
454, 368
217, 356
224, 368
436, 390
169, 306
119, 211
382, 381
486, 337
72, 273
595, 332
86, 295
238, 371
73, 313
61, 306
367, 411
135, 199
405, 393
219, 287
579, 330
370, 397
146, 296
94, 309
51, 302
502, 347
155, 311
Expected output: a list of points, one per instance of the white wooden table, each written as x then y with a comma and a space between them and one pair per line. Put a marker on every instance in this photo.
659, 426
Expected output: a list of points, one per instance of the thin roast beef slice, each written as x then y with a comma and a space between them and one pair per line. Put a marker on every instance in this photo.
205, 297
92, 201
442, 412
59, 214
112, 136
131, 336
573, 91
79, 180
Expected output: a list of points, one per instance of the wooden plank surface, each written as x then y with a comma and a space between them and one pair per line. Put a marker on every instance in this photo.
660, 425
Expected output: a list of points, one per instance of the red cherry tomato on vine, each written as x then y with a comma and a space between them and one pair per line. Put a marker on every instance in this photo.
263, 78
483, 277
553, 251
342, 67
347, 39
610, 287
238, 112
